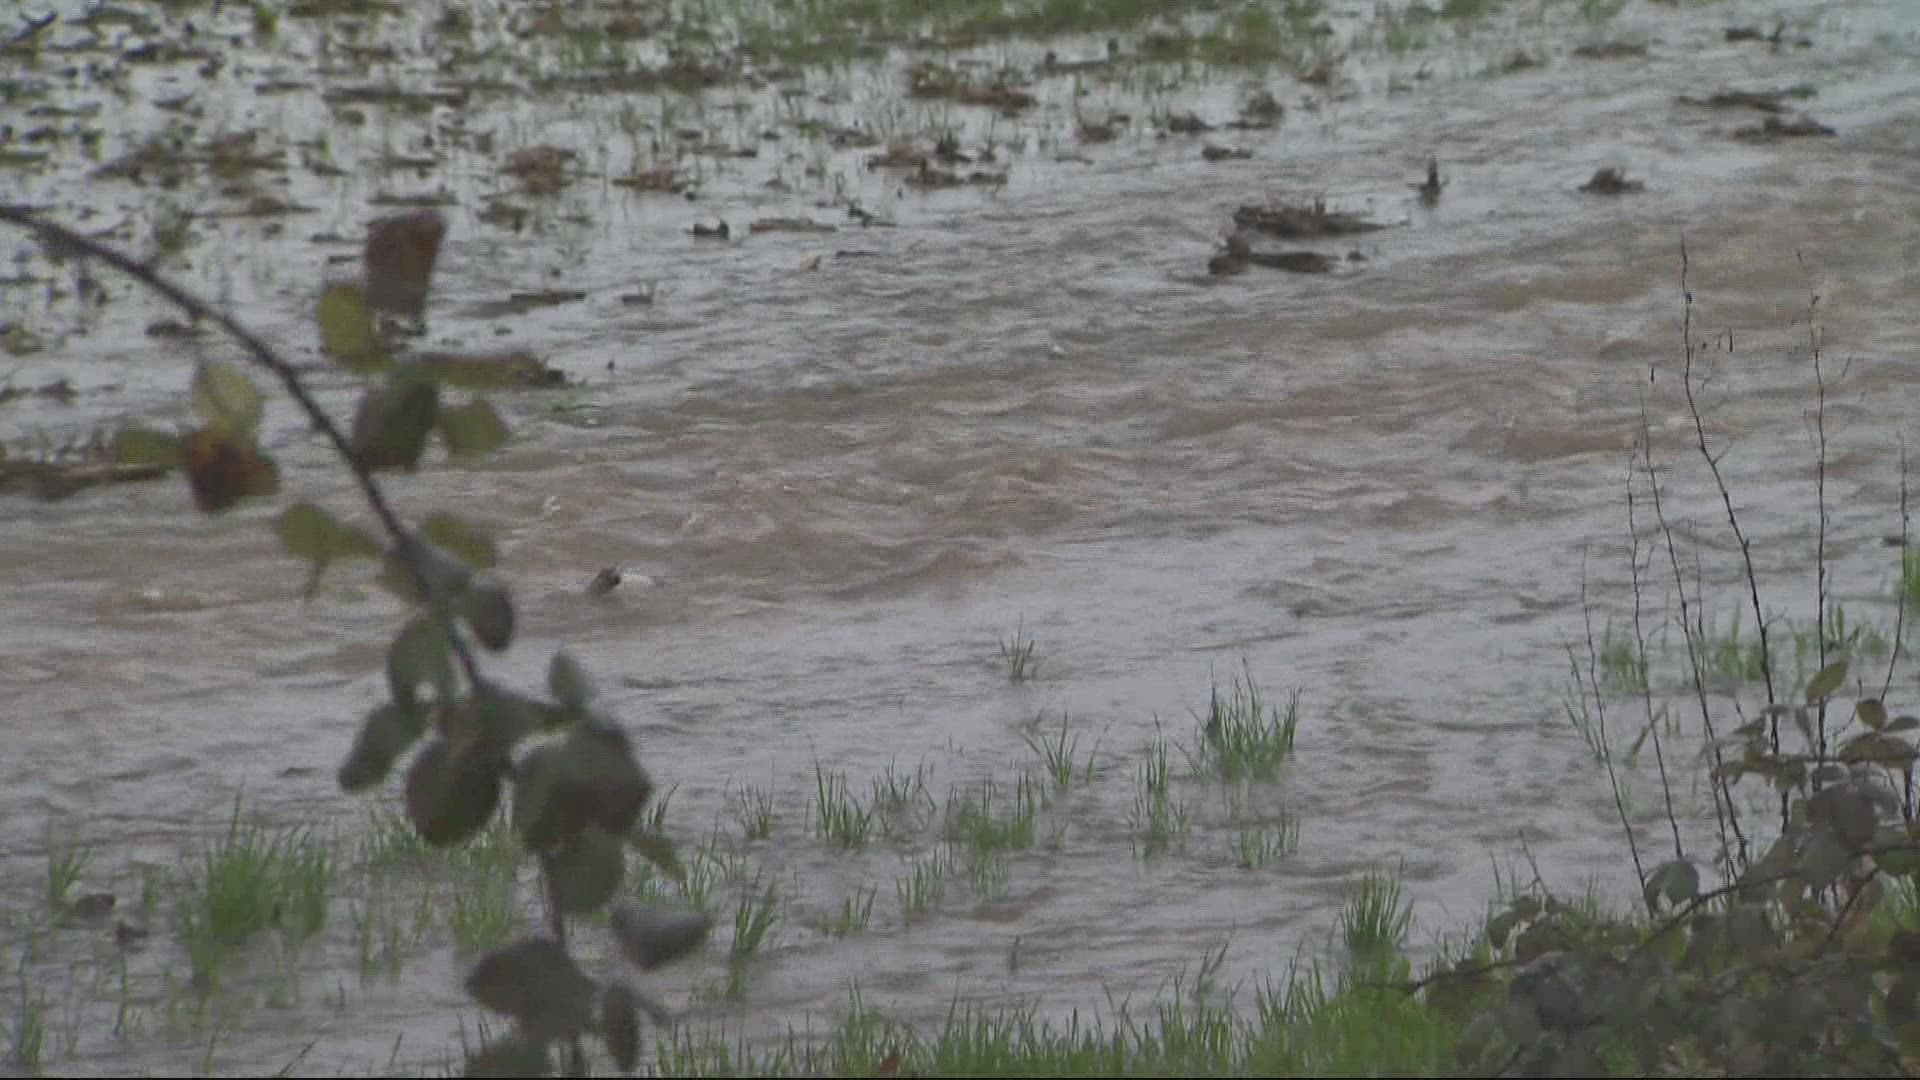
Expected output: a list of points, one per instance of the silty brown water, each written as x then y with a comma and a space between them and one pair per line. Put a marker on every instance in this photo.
838, 467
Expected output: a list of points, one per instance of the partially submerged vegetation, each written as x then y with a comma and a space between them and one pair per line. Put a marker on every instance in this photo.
1783, 944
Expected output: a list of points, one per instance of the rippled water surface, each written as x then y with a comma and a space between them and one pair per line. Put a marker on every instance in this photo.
840, 467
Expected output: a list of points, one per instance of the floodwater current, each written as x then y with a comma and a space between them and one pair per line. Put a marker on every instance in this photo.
838, 468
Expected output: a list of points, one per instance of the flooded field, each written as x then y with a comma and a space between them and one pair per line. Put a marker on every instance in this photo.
1044, 382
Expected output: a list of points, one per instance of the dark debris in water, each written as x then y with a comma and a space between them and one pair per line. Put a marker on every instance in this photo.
1301, 221
1773, 129
1612, 181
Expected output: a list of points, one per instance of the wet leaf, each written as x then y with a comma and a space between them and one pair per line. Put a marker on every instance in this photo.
141, 446
472, 429
657, 849
452, 792
309, 532
511, 1056
1829, 679
446, 576
1822, 859
1877, 748
420, 653
1677, 881
488, 612
462, 539
587, 778
535, 982
585, 871
620, 1024
650, 937
1904, 723
398, 262
225, 399
223, 469
346, 330
569, 681
386, 733
499, 716
1846, 812
394, 419
1871, 713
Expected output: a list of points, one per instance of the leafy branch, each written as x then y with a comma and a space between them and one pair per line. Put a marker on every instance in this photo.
578, 791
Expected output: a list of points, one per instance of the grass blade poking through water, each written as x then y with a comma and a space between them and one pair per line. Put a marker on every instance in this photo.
839, 817
1244, 737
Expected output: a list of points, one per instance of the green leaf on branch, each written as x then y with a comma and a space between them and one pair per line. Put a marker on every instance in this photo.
346, 330
1826, 681
420, 653
1877, 748
472, 429
394, 419
386, 734
309, 532
488, 612
494, 715
535, 982
452, 792
142, 446
462, 539
224, 467
446, 576
225, 399
654, 936
585, 872
1871, 713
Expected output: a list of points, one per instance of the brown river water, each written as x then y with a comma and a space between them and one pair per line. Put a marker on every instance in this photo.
837, 468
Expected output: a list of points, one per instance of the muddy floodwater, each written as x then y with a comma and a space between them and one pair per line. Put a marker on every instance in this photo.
995, 395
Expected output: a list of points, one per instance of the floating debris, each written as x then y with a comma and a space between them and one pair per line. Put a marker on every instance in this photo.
1612, 181
790, 225
541, 170
1211, 152
1611, 50
604, 582
1305, 220
930, 80
514, 368
1430, 190
1187, 123
1773, 129
710, 232
1768, 101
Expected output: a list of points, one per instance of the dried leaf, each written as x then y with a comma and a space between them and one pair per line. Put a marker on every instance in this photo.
223, 469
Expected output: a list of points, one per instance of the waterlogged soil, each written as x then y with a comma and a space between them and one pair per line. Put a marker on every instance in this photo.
992, 386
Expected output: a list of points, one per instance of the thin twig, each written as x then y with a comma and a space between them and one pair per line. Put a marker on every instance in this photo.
1600, 708
60, 238
1646, 680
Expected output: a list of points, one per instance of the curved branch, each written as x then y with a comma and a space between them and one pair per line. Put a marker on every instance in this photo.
59, 238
